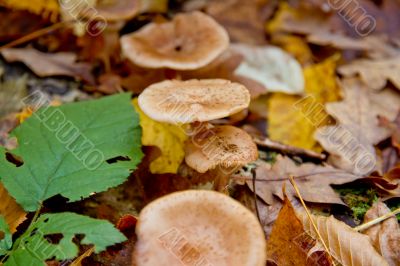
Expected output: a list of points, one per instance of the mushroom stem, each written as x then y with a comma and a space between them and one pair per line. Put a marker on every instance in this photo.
222, 177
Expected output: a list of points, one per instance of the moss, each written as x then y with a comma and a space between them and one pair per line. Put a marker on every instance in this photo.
359, 199
395, 205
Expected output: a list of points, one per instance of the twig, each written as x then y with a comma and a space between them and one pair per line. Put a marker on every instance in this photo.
267, 143
371, 223
309, 216
253, 171
35, 34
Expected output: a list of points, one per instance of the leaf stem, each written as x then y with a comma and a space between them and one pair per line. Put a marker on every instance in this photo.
309, 216
371, 223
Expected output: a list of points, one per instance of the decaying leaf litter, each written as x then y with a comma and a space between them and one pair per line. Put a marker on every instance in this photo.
120, 118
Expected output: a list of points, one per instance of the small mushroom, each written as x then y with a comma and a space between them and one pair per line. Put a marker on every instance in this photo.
197, 227
183, 102
189, 41
222, 150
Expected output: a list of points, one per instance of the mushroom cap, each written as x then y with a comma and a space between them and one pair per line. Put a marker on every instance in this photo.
188, 41
113, 10
226, 146
197, 227
180, 102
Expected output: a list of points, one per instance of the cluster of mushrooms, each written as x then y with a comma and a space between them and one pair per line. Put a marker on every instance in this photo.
196, 227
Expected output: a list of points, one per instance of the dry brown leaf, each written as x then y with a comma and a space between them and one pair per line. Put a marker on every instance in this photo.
337, 24
289, 243
386, 235
270, 66
374, 73
313, 181
10, 210
350, 142
345, 245
244, 20
267, 213
45, 64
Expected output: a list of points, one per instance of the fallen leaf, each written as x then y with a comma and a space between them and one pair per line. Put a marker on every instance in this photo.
313, 181
386, 235
345, 245
289, 243
244, 21
350, 142
18, 23
44, 64
169, 138
295, 46
293, 120
136, 79
276, 70
45, 8
374, 73
10, 210
294, 20
268, 213
394, 127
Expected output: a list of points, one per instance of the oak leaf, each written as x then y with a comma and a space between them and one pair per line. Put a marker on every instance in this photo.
313, 181
374, 73
345, 245
289, 243
385, 235
350, 142
293, 120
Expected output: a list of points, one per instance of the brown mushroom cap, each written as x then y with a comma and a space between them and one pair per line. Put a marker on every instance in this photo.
226, 146
176, 101
189, 41
197, 227
113, 10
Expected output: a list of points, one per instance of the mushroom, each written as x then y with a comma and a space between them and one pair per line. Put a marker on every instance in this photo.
188, 41
183, 102
222, 150
201, 228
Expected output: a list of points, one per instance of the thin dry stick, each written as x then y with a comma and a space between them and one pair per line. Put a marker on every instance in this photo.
253, 171
376, 221
309, 216
35, 34
267, 143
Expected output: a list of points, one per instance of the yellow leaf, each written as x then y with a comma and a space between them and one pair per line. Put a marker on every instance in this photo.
10, 210
294, 45
169, 138
294, 119
45, 8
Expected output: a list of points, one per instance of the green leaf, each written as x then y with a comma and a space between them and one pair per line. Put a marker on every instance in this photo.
65, 150
33, 247
5, 236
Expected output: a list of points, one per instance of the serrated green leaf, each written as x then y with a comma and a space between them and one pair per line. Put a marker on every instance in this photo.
5, 237
33, 248
65, 150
